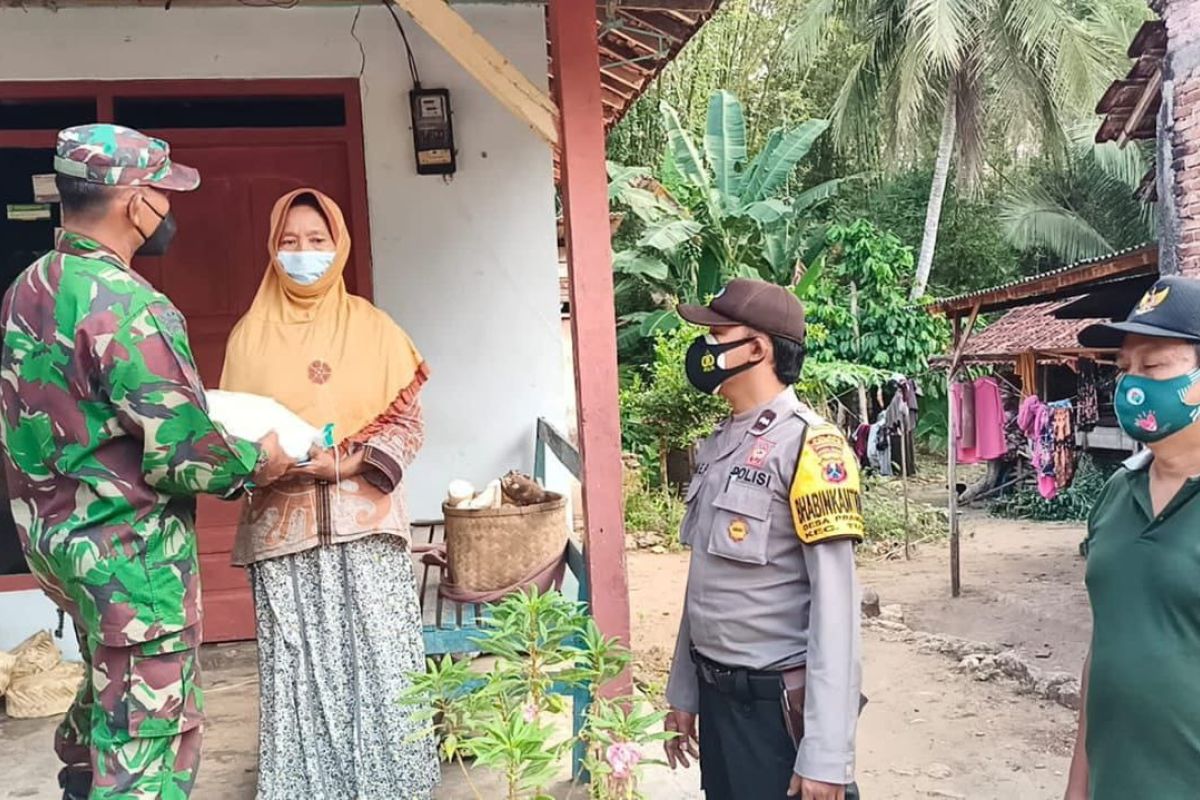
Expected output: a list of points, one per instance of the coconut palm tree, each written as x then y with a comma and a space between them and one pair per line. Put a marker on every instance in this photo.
733, 214
1087, 206
972, 68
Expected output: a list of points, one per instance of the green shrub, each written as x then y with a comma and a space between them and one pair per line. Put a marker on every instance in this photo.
883, 514
1073, 504
652, 515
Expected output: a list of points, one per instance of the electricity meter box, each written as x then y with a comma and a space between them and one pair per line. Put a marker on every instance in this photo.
433, 131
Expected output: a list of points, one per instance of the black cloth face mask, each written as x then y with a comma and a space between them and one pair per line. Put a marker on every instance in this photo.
157, 243
704, 363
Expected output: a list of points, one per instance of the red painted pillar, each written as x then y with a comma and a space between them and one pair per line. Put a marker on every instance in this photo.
584, 185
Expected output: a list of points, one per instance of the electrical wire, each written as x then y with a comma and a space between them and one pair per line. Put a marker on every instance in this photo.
362, 51
412, 61
269, 3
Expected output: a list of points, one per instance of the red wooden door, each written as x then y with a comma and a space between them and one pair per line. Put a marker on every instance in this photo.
212, 273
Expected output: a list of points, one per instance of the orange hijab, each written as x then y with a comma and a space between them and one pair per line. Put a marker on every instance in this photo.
324, 353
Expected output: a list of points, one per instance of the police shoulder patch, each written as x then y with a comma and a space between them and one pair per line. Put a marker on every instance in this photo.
826, 495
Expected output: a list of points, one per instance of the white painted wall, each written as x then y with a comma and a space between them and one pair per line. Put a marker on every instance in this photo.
468, 267
27, 612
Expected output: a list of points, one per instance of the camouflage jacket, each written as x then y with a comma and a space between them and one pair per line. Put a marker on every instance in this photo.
106, 441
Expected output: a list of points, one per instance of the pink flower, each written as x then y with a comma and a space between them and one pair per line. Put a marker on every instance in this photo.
530, 713
623, 757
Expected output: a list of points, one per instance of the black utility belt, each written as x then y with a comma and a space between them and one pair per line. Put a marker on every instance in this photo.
744, 683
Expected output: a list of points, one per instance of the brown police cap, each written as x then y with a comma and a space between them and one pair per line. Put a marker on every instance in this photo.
763, 306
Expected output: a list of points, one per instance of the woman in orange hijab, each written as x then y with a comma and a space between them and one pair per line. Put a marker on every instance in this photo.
339, 624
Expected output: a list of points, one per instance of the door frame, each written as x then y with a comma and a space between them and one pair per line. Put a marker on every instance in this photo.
104, 94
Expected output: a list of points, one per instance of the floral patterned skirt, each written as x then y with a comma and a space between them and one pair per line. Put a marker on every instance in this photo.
339, 631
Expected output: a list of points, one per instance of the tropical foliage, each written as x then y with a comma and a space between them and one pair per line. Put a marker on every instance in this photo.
950, 65
792, 60
861, 307
723, 214
1085, 208
660, 411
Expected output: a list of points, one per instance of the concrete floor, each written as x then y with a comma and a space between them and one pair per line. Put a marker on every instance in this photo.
229, 767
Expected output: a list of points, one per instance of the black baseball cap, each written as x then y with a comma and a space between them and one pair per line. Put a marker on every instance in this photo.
1169, 310
766, 307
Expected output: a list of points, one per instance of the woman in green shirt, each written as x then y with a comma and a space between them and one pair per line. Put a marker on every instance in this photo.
1139, 729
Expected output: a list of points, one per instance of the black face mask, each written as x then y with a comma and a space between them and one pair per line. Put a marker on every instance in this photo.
703, 364
157, 243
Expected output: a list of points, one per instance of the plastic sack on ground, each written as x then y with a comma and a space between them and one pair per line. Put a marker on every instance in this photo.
252, 416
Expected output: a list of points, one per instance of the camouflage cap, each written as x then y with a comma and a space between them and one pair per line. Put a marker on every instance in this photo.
116, 156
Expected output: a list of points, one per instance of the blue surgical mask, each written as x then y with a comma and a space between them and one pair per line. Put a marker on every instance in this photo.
306, 267
1150, 410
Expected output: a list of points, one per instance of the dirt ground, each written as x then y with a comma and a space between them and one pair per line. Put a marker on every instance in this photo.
928, 731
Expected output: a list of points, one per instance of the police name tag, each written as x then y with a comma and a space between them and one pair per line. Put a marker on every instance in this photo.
826, 496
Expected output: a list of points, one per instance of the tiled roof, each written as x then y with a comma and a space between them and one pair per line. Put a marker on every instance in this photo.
1024, 329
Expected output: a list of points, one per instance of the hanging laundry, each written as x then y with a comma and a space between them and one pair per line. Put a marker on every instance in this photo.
1027, 373
896, 415
962, 418
911, 394
861, 439
1014, 439
879, 449
989, 420
1063, 430
899, 421
963, 396
1035, 420
1087, 413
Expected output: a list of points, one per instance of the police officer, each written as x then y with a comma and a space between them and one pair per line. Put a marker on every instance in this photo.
768, 658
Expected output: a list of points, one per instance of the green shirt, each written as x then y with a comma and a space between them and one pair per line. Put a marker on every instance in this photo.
1143, 580
106, 440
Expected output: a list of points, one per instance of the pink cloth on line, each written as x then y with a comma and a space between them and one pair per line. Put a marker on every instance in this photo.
1033, 419
990, 443
967, 416
963, 435
978, 421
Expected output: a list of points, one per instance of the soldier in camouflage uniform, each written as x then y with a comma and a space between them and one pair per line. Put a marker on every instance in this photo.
106, 442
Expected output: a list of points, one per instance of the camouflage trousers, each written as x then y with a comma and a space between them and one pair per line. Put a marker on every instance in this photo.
136, 721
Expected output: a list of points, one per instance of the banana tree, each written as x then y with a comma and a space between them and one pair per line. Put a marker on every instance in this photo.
730, 215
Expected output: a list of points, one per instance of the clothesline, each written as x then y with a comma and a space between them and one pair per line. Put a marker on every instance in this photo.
1108, 383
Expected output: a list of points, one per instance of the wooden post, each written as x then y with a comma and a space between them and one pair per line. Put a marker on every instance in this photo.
961, 337
486, 65
905, 436
952, 465
863, 407
584, 185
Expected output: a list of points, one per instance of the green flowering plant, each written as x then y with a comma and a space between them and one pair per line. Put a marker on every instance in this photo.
544, 646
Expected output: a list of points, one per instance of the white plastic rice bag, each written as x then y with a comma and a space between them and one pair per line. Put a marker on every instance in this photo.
252, 416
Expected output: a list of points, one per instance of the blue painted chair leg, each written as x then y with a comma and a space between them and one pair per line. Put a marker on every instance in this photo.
582, 699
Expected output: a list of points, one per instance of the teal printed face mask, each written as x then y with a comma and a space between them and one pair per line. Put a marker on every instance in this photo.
1150, 411
306, 267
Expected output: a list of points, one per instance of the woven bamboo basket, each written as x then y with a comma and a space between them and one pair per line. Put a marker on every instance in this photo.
36, 654
492, 549
7, 662
46, 694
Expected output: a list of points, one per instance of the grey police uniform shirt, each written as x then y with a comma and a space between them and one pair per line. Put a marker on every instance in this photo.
757, 596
